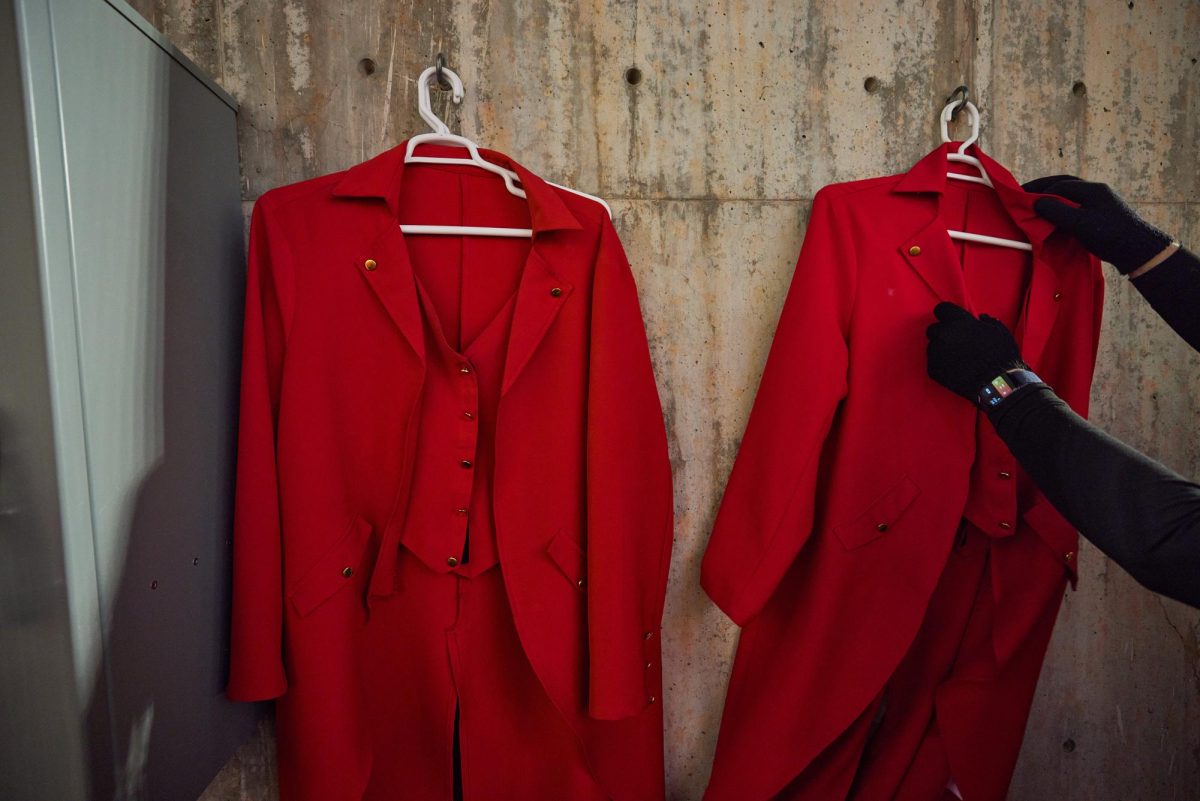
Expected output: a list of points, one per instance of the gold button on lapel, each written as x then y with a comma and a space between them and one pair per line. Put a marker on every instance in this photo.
914, 251
1004, 474
648, 635
370, 264
1057, 296
554, 293
452, 561
1069, 555
466, 463
579, 584
347, 572
1004, 525
881, 527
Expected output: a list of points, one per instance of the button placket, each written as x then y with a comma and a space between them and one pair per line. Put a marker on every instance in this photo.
469, 431
649, 655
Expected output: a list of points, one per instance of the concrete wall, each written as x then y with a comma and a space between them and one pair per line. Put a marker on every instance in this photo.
743, 111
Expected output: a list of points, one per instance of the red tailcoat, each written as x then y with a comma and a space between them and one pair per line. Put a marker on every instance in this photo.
854, 471
333, 363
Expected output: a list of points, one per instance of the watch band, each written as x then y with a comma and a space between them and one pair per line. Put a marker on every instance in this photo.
995, 391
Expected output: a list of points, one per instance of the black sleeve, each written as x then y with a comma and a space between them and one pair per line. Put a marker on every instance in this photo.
1143, 515
1173, 289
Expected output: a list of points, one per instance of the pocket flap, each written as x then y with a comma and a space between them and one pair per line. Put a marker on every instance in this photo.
569, 556
344, 561
879, 516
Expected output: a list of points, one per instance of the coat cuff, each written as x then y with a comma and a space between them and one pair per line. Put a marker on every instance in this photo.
271, 684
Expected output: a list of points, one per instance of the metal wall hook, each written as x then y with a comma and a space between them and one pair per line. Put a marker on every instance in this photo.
442, 81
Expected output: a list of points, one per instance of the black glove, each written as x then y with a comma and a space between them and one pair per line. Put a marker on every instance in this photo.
1103, 223
965, 353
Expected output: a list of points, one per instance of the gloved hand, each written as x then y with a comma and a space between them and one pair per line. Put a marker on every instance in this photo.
965, 353
1103, 223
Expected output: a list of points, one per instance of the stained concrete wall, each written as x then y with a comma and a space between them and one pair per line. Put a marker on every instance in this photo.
743, 111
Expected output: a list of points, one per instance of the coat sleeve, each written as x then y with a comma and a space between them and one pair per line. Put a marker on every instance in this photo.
629, 501
256, 643
766, 513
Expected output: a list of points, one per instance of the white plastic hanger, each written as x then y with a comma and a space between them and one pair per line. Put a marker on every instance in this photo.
982, 178
441, 135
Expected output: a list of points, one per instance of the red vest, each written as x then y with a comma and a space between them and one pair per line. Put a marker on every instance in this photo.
449, 523
997, 284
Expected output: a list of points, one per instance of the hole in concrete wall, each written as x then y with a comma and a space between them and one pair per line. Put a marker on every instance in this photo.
367, 66
872, 84
633, 76
1079, 89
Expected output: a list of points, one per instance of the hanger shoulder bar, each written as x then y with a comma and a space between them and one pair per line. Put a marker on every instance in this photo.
607, 208
467, 230
970, 178
990, 240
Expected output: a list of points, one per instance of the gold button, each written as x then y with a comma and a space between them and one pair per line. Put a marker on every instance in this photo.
464, 369
1004, 525
649, 665
554, 293
1069, 555
653, 699
881, 527
370, 264
579, 584
914, 251
468, 415
452, 561
466, 463
1057, 296
347, 572
1004, 474
461, 511
648, 635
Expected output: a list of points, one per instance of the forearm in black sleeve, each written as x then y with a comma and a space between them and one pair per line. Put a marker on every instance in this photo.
1173, 289
1143, 515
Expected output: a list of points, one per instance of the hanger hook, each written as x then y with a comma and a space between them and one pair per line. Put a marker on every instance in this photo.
972, 118
424, 107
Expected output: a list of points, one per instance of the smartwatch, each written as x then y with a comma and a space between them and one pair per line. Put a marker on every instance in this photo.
995, 391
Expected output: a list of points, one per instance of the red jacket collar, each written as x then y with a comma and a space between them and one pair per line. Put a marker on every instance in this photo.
381, 176
929, 175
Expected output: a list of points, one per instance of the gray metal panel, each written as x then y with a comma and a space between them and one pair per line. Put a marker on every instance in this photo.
171, 50
41, 741
138, 210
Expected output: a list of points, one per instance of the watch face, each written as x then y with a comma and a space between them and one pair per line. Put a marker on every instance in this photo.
1001, 385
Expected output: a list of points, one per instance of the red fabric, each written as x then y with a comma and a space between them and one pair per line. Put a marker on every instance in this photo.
855, 467
445, 640
997, 280
948, 703
334, 364
451, 496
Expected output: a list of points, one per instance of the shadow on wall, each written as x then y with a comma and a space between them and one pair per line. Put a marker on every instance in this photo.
157, 720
